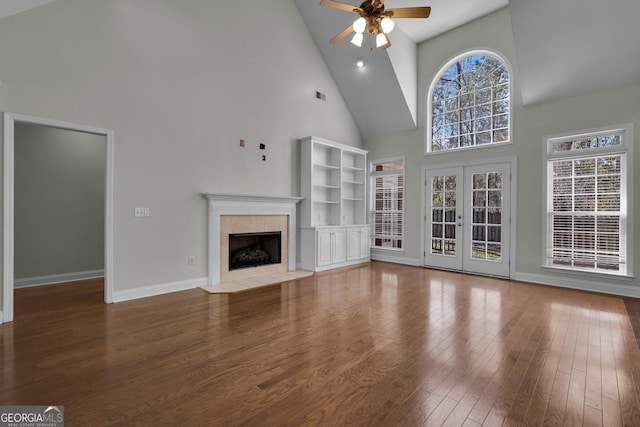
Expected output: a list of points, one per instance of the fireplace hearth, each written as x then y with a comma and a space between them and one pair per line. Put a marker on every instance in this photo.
254, 249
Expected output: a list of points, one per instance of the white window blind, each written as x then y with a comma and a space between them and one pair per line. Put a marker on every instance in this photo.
587, 203
387, 211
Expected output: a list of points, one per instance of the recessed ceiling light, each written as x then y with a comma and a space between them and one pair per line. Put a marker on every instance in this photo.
360, 63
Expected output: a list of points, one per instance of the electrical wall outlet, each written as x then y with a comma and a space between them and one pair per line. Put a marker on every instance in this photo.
192, 260
141, 212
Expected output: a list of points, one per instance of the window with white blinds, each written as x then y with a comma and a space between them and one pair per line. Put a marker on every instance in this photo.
587, 202
387, 203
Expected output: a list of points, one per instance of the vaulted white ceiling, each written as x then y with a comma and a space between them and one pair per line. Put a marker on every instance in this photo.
564, 48
382, 96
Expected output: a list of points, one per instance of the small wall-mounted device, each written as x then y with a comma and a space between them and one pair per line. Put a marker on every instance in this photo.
264, 158
262, 146
321, 96
242, 143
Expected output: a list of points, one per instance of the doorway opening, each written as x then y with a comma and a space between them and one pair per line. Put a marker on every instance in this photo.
8, 279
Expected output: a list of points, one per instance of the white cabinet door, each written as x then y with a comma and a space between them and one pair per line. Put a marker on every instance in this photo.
354, 241
339, 245
331, 246
365, 241
323, 250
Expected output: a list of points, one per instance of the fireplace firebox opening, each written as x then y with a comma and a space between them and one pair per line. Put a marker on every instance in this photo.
254, 249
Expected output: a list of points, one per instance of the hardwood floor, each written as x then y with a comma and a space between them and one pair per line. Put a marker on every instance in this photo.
380, 344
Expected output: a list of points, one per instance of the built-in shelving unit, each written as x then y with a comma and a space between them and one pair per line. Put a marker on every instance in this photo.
333, 185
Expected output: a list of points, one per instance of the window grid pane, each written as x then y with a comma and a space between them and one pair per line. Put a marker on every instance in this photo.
470, 104
585, 214
443, 215
387, 212
486, 227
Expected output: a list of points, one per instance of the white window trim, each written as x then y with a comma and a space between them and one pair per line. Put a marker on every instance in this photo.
372, 199
626, 146
434, 81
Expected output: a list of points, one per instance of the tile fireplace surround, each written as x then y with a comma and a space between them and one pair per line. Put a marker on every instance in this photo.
238, 209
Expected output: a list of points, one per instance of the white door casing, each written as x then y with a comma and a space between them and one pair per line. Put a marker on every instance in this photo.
8, 207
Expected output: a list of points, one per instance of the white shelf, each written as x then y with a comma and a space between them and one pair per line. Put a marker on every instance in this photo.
332, 187
323, 166
333, 183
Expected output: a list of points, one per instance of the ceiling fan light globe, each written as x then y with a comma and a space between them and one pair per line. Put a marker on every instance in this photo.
359, 25
381, 39
357, 39
387, 25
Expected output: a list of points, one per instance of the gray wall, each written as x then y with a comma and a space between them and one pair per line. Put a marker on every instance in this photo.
59, 201
179, 83
530, 125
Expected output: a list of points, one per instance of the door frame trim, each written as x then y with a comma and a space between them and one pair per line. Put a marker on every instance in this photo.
513, 161
9, 120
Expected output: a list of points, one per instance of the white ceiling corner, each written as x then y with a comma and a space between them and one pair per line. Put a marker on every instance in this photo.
445, 15
572, 47
12, 7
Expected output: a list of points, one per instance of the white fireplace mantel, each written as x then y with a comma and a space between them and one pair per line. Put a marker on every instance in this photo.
239, 204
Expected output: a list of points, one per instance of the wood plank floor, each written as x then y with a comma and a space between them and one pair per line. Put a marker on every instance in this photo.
380, 344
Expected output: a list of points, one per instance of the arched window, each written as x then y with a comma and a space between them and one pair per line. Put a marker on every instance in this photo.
469, 103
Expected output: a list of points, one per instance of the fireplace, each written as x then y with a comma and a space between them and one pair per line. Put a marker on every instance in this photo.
231, 214
248, 250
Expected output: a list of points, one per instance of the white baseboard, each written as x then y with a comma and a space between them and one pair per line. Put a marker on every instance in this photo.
153, 290
396, 259
332, 266
57, 278
582, 285
538, 279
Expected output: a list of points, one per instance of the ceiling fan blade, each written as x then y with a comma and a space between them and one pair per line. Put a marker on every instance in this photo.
342, 35
340, 6
409, 12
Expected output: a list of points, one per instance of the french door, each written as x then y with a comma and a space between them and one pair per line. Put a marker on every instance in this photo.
467, 221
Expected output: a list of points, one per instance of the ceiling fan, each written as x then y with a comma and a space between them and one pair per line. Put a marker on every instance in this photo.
374, 19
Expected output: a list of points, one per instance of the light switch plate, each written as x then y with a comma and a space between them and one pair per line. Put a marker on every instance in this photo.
141, 212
